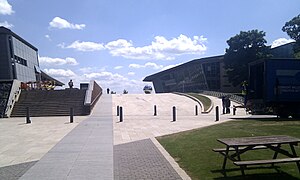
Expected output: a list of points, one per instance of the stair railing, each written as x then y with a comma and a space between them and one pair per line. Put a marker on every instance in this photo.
232, 97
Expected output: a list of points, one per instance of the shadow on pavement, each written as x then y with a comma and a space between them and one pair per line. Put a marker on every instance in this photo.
14, 172
264, 176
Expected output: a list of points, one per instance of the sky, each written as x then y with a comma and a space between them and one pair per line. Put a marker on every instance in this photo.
120, 42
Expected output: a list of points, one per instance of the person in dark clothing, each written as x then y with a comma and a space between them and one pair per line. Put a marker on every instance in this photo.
227, 104
223, 104
107, 90
70, 84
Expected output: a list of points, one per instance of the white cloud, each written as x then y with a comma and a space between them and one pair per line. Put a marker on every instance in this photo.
60, 23
135, 66
5, 8
60, 72
105, 76
84, 46
6, 24
48, 61
281, 41
148, 64
161, 48
48, 37
118, 67
114, 81
86, 70
131, 73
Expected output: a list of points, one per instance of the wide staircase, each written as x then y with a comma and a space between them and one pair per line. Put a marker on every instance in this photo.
50, 103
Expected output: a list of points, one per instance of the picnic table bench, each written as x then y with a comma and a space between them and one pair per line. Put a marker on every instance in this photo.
237, 146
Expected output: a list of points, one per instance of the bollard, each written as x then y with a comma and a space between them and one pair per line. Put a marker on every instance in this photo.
217, 113
196, 110
28, 121
71, 115
155, 112
174, 113
121, 114
234, 111
118, 110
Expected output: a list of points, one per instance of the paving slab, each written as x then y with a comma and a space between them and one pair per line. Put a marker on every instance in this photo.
21, 142
85, 153
84, 149
140, 123
14, 172
135, 155
141, 160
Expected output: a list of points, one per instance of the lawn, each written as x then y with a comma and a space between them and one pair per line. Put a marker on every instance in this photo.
193, 149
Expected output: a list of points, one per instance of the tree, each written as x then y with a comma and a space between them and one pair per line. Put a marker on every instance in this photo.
244, 48
292, 28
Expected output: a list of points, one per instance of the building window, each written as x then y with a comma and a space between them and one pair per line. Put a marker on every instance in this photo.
20, 60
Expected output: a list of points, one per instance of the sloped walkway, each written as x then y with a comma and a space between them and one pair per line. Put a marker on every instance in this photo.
85, 153
137, 155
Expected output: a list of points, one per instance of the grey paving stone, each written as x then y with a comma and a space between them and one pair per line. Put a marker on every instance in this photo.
14, 172
85, 153
141, 160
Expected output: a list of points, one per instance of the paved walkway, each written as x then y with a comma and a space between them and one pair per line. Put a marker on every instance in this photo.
85, 153
22, 142
136, 150
141, 160
139, 122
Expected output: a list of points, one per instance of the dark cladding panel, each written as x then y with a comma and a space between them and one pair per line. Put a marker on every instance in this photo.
5, 62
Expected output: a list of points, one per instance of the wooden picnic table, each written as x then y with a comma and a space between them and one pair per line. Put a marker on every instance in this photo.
237, 146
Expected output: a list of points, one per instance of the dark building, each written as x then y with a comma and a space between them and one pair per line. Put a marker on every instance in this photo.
193, 76
203, 74
19, 59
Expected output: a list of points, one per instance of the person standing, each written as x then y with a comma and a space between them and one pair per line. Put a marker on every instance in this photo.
107, 90
244, 91
70, 84
227, 104
223, 104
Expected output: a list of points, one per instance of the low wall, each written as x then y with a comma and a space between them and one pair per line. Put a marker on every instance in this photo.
92, 95
232, 97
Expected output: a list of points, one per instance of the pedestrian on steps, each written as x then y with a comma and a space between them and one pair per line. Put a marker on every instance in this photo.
70, 84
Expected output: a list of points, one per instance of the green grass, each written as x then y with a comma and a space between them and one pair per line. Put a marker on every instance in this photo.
205, 100
193, 149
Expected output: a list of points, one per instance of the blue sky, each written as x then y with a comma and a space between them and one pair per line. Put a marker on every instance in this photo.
119, 42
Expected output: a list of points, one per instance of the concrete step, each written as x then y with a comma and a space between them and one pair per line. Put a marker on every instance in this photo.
49, 103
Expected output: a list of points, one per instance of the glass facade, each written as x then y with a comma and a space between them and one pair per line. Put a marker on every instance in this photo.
19, 59
193, 76
25, 59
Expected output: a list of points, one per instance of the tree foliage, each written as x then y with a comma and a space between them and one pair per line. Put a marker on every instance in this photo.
245, 47
292, 28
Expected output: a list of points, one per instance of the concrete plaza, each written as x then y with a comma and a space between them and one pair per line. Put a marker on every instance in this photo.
99, 146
